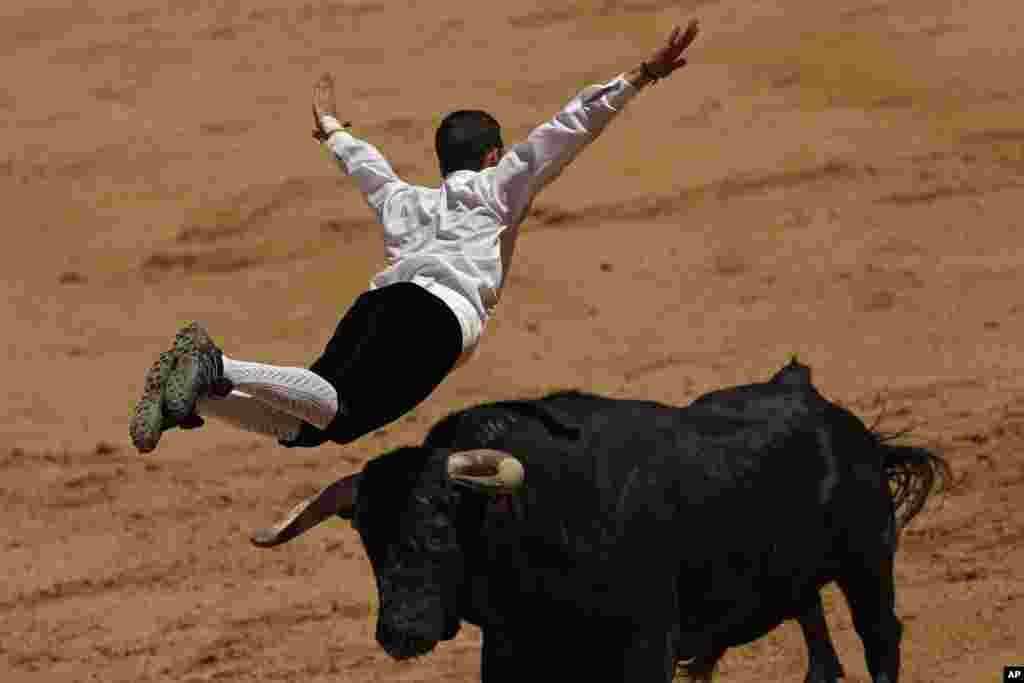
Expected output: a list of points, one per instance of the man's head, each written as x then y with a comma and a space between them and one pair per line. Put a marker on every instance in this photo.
468, 140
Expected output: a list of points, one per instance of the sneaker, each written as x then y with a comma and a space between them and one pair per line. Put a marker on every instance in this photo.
196, 372
189, 338
148, 420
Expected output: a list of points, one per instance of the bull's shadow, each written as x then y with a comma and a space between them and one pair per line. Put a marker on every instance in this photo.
645, 535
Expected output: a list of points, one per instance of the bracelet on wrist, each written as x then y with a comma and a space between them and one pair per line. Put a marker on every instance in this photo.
646, 71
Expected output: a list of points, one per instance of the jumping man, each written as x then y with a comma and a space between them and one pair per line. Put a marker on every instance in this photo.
449, 251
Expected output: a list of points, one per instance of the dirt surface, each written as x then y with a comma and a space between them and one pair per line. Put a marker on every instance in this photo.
841, 180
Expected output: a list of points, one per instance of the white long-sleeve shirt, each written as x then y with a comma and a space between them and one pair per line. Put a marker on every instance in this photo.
449, 239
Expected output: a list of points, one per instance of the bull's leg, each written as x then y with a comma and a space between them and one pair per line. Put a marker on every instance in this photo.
517, 655
500, 659
649, 657
871, 596
823, 664
701, 669
582, 650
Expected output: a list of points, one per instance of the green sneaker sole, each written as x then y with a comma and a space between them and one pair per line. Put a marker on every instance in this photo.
182, 388
150, 420
147, 421
188, 380
189, 338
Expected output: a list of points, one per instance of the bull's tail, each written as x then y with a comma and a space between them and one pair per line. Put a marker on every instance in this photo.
914, 474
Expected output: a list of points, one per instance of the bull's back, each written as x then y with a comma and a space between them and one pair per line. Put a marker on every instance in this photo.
732, 518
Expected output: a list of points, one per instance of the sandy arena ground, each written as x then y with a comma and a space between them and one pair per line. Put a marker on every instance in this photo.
841, 179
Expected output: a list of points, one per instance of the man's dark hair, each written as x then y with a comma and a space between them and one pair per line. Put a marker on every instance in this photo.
464, 138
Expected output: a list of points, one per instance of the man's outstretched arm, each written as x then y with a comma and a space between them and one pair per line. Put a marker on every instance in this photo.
530, 166
357, 158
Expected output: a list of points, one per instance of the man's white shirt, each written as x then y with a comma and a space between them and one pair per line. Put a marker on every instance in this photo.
448, 239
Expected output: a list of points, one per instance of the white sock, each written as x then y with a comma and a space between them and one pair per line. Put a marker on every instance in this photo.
245, 412
295, 391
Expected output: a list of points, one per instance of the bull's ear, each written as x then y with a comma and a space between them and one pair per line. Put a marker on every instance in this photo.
337, 499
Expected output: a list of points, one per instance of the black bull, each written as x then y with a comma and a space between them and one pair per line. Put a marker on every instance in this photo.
644, 534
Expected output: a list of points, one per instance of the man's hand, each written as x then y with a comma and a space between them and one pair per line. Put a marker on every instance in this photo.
323, 105
667, 58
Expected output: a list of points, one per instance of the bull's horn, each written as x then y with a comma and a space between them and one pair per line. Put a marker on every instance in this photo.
337, 499
486, 469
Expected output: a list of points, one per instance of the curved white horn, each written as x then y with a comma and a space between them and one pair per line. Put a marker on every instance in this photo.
336, 499
486, 469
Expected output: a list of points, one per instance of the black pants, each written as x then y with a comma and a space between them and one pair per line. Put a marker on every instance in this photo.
387, 355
